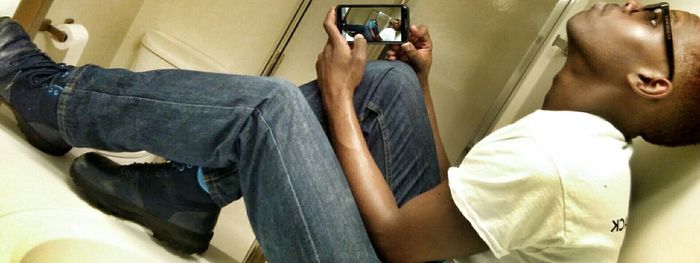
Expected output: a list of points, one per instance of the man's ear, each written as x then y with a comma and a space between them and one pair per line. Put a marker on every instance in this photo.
649, 86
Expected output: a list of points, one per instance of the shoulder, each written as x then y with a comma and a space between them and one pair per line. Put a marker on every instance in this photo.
510, 152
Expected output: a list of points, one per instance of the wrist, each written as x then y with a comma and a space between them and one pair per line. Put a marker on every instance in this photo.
422, 72
422, 79
337, 101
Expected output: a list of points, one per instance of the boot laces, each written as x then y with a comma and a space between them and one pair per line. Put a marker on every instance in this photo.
154, 169
38, 67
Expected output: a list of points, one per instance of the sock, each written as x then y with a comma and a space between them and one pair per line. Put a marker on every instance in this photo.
54, 91
188, 184
200, 180
51, 104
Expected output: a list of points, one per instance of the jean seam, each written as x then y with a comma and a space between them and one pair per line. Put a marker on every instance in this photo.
214, 190
289, 181
64, 99
385, 140
171, 102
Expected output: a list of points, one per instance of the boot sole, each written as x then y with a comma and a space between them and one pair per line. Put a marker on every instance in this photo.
170, 235
34, 138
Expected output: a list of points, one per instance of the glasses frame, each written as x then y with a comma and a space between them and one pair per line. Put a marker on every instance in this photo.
668, 32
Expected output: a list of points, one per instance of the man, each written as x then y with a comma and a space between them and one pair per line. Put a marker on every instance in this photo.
547, 187
369, 30
392, 32
543, 189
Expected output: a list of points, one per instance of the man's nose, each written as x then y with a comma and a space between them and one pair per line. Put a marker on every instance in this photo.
631, 6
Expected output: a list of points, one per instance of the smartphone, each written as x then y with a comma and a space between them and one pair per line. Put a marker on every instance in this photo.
379, 24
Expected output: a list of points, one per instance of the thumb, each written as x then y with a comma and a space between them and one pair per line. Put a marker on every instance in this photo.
410, 50
360, 47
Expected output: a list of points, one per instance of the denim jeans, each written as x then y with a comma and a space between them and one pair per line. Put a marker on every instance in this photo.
263, 139
360, 29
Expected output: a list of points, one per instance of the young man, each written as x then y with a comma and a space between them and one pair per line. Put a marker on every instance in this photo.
555, 185
543, 189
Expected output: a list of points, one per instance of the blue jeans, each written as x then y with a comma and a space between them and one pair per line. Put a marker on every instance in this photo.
360, 29
264, 139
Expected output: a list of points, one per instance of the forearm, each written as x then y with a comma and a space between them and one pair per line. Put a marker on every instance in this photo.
372, 193
439, 147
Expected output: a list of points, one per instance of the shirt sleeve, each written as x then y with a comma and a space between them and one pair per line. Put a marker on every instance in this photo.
511, 193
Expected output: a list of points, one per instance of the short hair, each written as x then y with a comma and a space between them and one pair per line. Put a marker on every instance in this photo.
684, 126
690, 75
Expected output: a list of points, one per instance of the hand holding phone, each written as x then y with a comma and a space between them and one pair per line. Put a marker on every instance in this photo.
418, 52
382, 24
339, 67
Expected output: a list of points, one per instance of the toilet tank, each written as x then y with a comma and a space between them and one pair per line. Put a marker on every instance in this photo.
159, 50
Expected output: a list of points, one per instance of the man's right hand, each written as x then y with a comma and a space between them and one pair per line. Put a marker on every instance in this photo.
417, 52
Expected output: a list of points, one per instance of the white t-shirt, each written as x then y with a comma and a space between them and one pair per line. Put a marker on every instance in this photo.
552, 187
389, 34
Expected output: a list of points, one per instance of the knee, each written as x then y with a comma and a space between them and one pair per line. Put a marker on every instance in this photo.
392, 78
282, 89
396, 70
286, 94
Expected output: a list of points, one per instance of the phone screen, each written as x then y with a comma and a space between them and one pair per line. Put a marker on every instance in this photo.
386, 24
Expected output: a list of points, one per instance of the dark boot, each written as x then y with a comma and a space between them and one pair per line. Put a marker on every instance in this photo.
164, 198
30, 83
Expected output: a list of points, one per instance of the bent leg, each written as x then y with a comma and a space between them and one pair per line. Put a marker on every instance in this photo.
391, 109
298, 200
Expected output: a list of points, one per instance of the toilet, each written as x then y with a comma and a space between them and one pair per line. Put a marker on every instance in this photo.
159, 50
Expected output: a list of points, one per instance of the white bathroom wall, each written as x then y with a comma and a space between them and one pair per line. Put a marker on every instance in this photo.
663, 221
7, 7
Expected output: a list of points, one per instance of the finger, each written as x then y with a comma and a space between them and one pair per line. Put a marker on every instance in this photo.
332, 29
328, 47
404, 58
409, 49
327, 51
390, 55
394, 47
633, 4
421, 33
319, 65
360, 49
394, 50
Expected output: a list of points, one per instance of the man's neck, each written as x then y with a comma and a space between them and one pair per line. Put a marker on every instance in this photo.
575, 90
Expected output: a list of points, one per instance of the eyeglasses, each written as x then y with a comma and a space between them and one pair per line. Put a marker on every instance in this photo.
668, 34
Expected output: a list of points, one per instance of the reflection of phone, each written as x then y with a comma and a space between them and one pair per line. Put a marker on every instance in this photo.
387, 24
